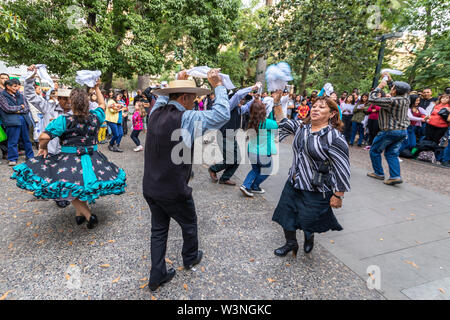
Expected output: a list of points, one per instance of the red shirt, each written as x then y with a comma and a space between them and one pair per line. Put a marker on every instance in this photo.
435, 119
374, 115
302, 111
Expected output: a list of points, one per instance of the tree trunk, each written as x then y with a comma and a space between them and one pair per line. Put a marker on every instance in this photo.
307, 59
143, 82
261, 65
108, 80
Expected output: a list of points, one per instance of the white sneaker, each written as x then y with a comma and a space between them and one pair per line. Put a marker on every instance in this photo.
136, 149
246, 191
140, 148
400, 160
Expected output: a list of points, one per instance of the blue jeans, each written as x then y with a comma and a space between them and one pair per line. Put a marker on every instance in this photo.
15, 133
357, 127
446, 156
410, 141
254, 177
117, 132
389, 142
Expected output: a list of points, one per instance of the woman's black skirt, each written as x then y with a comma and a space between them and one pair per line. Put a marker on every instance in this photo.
305, 210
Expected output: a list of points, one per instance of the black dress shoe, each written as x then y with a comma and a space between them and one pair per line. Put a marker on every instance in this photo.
284, 250
117, 149
62, 203
170, 274
93, 222
80, 220
309, 244
197, 261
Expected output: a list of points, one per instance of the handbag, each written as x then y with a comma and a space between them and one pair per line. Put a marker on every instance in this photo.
427, 156
3, 135
444, 113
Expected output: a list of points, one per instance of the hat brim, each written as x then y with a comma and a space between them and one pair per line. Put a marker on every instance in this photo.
167, 91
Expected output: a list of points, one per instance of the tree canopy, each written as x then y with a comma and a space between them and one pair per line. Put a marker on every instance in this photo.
120, 37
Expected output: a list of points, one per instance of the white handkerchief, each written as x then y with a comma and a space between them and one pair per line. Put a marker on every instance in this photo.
277, 76
88, 77
392, 71
202, 72
43, 75
328, 87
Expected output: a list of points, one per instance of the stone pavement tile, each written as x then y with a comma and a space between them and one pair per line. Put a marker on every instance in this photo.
414, 232
434, 290
432, 260
396, 272
368, 243
358, 221
418, 208
441, 220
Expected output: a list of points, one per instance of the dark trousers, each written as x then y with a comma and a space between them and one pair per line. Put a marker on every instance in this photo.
125, 125
4, 148
230, 166
15, 133
433, 133
347, 119
183, 212
372, 125
135, 137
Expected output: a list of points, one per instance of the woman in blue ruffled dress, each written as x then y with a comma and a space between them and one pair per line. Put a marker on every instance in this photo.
80, 173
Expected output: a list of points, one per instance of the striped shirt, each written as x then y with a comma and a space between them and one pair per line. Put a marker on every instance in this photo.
310, 149
394, 111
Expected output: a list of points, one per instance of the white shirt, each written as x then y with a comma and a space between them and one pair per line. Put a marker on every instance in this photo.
347, 109
284, 104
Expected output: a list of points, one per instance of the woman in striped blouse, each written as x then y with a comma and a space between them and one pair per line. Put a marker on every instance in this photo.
305, 203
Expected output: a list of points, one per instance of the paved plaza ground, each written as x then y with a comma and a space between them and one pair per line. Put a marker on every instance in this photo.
404, 230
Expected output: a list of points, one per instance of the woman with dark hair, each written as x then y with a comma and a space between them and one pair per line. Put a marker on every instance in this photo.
114, 111
436, 125
80, 173
297, 103
358, 118
261, 146
318, 178
347, 114
416, 116
126, 103
372, 122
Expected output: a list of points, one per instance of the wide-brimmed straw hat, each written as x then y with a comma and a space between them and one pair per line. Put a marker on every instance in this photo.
181, 86
64, 92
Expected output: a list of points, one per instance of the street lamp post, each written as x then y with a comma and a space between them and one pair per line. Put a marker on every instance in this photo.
383, 39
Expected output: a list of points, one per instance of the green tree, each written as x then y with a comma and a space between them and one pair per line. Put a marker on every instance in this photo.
11, 26
120, 37
429, 21
324, 37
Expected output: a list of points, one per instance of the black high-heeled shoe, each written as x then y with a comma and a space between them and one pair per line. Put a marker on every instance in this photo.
93, 221
80, 220
309, 244
284, 250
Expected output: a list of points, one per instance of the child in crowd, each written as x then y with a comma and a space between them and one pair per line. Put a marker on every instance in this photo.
138, 125
303, 110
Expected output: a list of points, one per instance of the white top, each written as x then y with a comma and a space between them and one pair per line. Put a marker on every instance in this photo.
284, 104
347, 109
